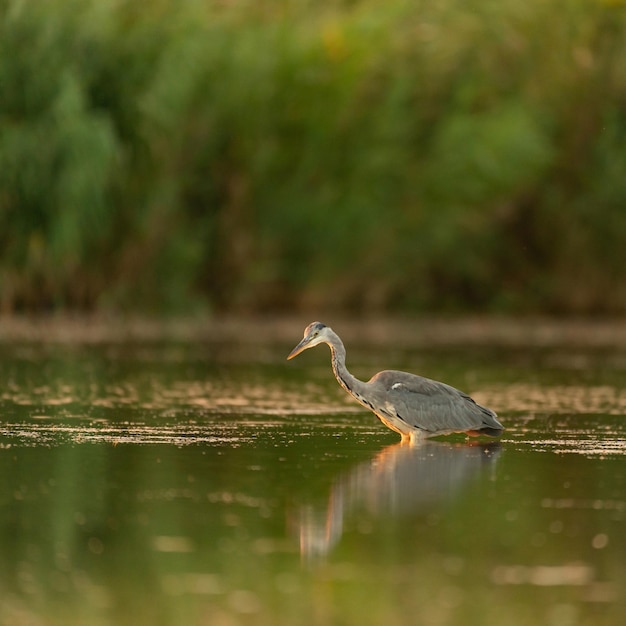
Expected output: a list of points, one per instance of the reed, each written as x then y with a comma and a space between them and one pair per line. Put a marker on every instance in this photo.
358, 156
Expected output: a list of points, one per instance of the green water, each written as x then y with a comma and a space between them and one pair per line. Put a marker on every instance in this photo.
171, 484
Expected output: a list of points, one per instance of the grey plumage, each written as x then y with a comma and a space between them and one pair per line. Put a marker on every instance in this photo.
414, 406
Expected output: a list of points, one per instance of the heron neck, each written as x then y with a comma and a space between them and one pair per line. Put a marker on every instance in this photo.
338, 358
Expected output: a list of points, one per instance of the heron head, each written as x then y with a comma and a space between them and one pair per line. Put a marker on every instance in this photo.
314, 334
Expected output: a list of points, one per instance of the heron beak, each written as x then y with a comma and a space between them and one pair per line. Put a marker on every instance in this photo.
303, 345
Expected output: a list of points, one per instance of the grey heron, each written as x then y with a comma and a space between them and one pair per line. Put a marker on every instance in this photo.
414, 406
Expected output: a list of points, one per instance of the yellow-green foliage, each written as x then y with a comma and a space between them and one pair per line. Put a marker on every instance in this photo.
401, 155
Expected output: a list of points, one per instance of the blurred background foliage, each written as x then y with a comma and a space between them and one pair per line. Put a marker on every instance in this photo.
355, 155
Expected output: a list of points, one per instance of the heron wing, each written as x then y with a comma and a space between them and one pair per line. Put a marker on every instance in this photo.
430, 405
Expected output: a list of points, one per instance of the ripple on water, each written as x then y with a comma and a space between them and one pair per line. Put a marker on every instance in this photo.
215, 397
561, 419
528, 397
37, 434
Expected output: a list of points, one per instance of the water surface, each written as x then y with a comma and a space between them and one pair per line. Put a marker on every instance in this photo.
201, 483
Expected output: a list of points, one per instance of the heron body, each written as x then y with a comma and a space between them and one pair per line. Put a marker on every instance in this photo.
414, 406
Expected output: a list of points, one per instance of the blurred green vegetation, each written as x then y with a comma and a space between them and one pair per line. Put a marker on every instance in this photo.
355, 155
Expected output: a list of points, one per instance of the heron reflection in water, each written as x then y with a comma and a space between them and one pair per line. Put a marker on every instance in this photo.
414, 406
399, 480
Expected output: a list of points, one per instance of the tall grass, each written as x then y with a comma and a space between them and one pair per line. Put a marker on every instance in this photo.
360, 156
